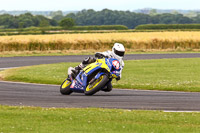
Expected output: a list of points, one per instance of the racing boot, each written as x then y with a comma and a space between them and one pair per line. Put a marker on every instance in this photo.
73, 72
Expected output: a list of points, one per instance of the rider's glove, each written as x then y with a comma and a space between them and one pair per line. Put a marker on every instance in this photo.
99, 56
88, 60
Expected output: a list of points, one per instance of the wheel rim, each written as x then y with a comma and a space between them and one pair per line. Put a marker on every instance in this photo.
65, 84
93, 85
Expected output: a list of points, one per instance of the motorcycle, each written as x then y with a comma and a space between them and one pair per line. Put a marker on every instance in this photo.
93, 78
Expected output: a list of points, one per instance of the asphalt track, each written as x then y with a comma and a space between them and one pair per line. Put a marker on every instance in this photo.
49, 96
7, 62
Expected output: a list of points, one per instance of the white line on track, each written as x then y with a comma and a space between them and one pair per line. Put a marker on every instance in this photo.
158, 91
173, 111
27, 83
7, 68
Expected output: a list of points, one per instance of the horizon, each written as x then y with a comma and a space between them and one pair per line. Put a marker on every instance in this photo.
97, 5
108, 9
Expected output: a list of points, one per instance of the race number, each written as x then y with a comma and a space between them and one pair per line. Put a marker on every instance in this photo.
116, 64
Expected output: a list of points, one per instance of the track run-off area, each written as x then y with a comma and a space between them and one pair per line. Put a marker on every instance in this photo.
25, 94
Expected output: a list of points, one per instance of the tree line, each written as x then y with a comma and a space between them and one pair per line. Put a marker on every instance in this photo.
168, 27
129, 19
25, 20
92, 17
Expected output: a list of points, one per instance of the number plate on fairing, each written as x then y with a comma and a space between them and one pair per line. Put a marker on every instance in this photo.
116, 64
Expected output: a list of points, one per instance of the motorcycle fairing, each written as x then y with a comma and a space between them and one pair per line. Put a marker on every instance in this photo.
80, 83
99, 64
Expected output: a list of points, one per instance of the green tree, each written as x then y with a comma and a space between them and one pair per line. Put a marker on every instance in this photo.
58, 17
191, 14
44, 23
21, 25
197, 19
56, 13
153, 12
67, 23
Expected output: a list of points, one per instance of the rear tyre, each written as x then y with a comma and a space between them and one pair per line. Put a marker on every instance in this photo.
96, 85
65, 87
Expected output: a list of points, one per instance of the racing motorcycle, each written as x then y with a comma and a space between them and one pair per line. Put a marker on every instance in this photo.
93, 78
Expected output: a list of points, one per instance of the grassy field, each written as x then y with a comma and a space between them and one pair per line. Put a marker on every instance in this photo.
51, 120
166, 74
140, 41
51, 53
83, 52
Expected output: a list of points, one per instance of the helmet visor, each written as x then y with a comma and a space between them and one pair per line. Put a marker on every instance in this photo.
120, 53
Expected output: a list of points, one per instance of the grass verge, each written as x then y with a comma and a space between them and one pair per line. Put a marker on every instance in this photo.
33, 119
165, 74
46, 53
85, 52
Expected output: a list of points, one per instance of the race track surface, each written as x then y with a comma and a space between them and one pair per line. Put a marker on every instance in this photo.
6, 62
49, 95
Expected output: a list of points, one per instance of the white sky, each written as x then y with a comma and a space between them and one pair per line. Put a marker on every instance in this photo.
65, 5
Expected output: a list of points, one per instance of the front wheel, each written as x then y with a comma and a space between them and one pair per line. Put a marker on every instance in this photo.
97, 85
65, 87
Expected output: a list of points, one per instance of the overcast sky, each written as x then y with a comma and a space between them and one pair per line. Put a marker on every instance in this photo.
65, 5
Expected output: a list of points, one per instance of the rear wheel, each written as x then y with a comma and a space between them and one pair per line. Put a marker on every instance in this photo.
65, 87
97, 85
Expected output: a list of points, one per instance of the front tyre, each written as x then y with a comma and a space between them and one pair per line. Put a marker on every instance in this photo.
97, 85
65, 87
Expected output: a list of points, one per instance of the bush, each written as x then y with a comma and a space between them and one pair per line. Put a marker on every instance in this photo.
100, 27
67, 23
57, 28
167, 26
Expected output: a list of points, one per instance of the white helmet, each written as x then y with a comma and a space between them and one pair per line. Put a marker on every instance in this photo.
118, 50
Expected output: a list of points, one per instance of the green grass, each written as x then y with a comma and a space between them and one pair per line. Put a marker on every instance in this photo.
76, 52
59, 53
92, 120
165, 74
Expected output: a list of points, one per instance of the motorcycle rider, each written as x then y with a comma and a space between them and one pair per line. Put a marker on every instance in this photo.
117, 52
